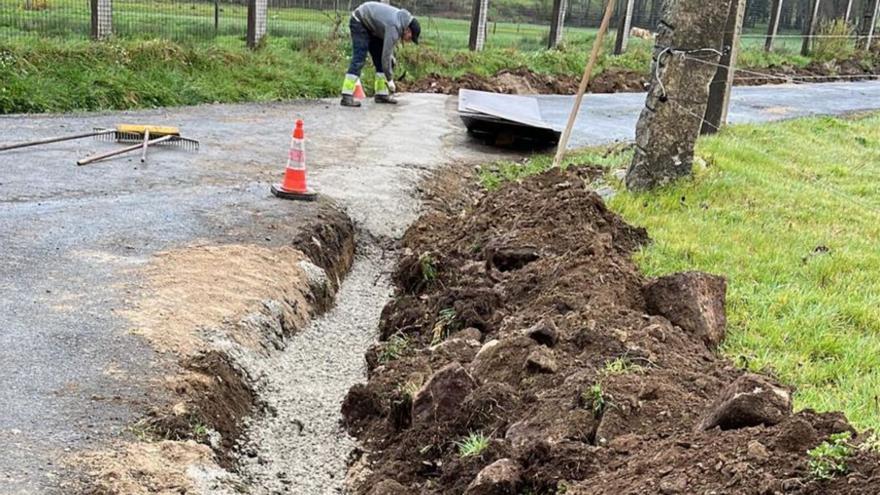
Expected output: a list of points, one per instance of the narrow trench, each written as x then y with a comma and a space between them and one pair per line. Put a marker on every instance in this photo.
299, 446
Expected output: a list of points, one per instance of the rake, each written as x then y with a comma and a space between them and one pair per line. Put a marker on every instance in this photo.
145, 135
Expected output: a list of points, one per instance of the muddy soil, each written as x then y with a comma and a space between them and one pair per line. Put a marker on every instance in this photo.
524, 81
847, 70
519, 315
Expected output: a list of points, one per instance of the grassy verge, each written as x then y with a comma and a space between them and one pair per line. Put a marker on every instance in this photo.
61, 74
790, 213
55, 75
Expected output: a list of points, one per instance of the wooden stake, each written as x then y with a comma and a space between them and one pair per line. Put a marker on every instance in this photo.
585, 81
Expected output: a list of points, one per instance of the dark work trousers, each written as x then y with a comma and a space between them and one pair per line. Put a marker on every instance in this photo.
361, 43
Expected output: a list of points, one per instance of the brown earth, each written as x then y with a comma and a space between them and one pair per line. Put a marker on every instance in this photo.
524, 81
847, 70
520, 315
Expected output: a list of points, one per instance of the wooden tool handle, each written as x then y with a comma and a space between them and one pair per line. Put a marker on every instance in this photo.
585, 81
128, 149
55, 139
146, 143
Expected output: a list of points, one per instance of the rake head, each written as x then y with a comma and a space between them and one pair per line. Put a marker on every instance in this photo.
136, 133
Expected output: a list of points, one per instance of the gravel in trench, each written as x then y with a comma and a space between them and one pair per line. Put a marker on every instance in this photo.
301, 448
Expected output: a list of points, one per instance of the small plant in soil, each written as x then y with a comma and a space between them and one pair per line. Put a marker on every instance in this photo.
622, 366
444, 325
394, 348
595, 399
144, 431
428, 266
829, 458
199, 431
473, 445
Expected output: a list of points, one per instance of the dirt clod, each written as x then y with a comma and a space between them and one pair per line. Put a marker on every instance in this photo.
752, 400
541, 360
360, 403
389, 487
441, 397
544, 332
502, 477
694, 301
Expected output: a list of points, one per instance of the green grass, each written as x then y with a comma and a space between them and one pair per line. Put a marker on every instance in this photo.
790, 213
54, 76
473, 445
395, 347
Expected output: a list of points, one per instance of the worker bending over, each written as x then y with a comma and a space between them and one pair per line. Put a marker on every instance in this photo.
376, 28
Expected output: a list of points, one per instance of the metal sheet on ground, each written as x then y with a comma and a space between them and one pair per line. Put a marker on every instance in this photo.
521, 109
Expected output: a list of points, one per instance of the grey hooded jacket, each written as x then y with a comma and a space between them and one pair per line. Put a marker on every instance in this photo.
387, 23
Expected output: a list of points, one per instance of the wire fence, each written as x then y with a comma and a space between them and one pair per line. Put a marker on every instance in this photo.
517, 24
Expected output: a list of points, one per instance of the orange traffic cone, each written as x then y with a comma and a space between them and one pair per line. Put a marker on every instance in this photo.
359, 91
294, 184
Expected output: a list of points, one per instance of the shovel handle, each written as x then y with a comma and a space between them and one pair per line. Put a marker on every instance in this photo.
128, 149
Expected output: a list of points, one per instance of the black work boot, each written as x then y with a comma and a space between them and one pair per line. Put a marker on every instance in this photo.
349, 101
388, 99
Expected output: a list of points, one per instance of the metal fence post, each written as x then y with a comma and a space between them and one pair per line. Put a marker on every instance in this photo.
256, 22
719, 90
102, 19
869, 25
557, 22
810, 27
478, 25
623, 27
773, 27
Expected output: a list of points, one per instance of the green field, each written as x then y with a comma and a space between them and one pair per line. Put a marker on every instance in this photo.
194, 22
790, 214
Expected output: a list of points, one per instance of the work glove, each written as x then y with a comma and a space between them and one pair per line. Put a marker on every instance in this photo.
392, 87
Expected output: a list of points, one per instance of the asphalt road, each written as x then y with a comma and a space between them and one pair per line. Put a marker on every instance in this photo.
73, 376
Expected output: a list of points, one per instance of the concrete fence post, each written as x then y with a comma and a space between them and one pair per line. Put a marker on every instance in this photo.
557, 22
810, 27
685, 61
773, 27
719, 91
256, 22
479, 17
102, 19
869, 23
623, 27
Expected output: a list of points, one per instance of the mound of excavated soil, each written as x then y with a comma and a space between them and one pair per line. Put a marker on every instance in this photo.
521, 316
524, 81
846, 70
